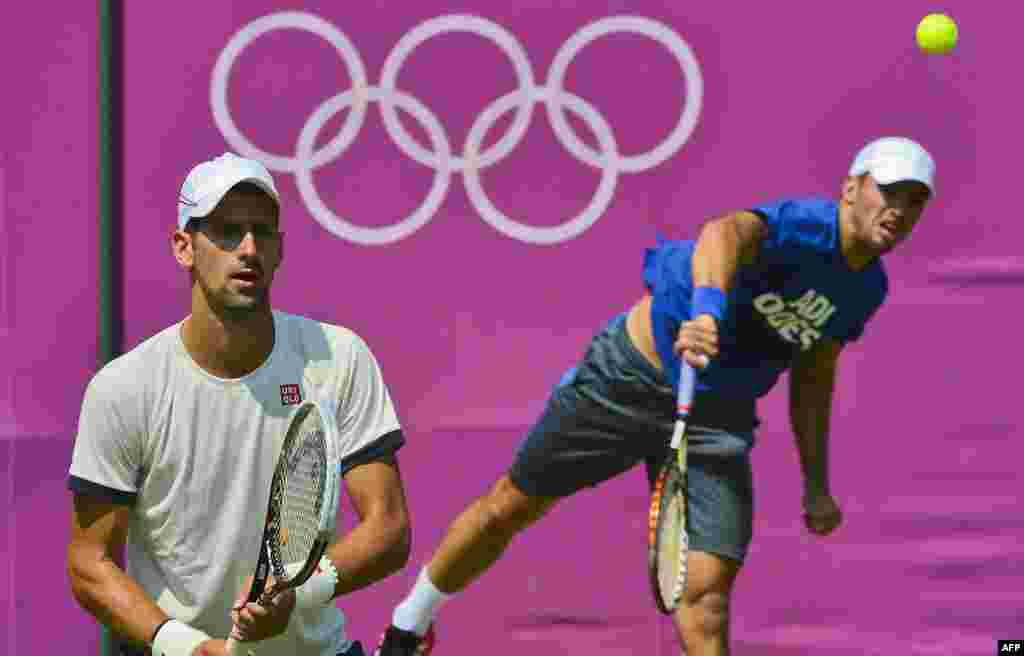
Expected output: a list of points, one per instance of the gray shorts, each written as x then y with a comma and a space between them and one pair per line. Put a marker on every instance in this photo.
614, 410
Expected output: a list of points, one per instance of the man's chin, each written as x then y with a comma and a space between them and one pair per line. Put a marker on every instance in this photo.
883, 245
241, 306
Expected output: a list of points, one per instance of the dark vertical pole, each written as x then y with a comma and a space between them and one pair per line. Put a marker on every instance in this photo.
109, 180
109, 147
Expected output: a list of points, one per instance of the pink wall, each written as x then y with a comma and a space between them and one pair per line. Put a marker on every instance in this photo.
786, 103
48, 210
473, 326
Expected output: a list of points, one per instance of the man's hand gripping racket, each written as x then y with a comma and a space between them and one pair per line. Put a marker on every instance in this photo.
668, 542
301, 516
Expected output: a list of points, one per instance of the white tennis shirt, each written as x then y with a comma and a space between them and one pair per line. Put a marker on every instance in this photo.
194, 454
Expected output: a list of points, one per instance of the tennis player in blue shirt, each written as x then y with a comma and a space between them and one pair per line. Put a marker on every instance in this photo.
779, 287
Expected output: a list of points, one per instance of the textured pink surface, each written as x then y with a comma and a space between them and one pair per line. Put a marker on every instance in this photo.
473, 328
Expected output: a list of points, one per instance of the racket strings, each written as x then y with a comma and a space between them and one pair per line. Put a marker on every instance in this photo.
301, 492
672, 542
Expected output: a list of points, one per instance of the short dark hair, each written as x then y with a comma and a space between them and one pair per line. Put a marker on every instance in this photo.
249, 188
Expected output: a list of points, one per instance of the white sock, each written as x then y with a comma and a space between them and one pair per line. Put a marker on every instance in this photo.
416, 612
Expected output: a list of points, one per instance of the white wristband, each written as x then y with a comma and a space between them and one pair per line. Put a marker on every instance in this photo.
318, 590
177, 639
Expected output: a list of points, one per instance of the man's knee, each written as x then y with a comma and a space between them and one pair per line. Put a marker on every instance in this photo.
508, 509
704, 613
709, 613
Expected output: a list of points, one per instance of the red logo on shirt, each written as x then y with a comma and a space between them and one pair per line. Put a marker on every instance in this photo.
290, 395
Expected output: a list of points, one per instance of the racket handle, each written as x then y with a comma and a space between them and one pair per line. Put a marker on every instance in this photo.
687, 385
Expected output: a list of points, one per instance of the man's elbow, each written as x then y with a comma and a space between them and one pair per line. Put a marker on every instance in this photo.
77, 583
397, 533
818, 374
82, 576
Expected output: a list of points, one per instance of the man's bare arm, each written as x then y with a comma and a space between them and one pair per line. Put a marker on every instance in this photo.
379, 545
811, 383
723, 246
98, 531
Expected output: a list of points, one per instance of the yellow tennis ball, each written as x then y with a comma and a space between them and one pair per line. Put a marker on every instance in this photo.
937, 34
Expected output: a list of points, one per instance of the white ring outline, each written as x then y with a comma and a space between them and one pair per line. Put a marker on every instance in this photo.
542, 235
240, 41
523, 100
362, 234
459, 23
660, 33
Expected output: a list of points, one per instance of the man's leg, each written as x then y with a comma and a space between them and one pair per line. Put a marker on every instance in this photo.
474, 541
548, 467
720, 521
479, 536
584, 437
702, 619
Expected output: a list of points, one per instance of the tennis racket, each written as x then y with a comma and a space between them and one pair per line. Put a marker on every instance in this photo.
303, 508
667, 541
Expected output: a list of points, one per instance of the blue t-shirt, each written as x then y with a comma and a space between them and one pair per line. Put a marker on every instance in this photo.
798, 291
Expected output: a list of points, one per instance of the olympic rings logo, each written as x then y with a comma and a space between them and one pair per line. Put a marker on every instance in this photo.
444, 163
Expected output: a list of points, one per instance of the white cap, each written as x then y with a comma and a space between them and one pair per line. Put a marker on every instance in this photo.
208, 181
895, 159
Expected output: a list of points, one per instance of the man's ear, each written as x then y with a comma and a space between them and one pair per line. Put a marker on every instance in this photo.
182, 247
849, 189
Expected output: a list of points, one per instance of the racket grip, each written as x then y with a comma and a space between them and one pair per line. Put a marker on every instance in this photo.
687, 385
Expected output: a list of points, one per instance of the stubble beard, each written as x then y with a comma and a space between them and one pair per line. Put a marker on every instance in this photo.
233, 307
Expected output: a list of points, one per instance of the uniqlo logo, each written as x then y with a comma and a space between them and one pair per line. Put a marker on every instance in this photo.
290, 395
